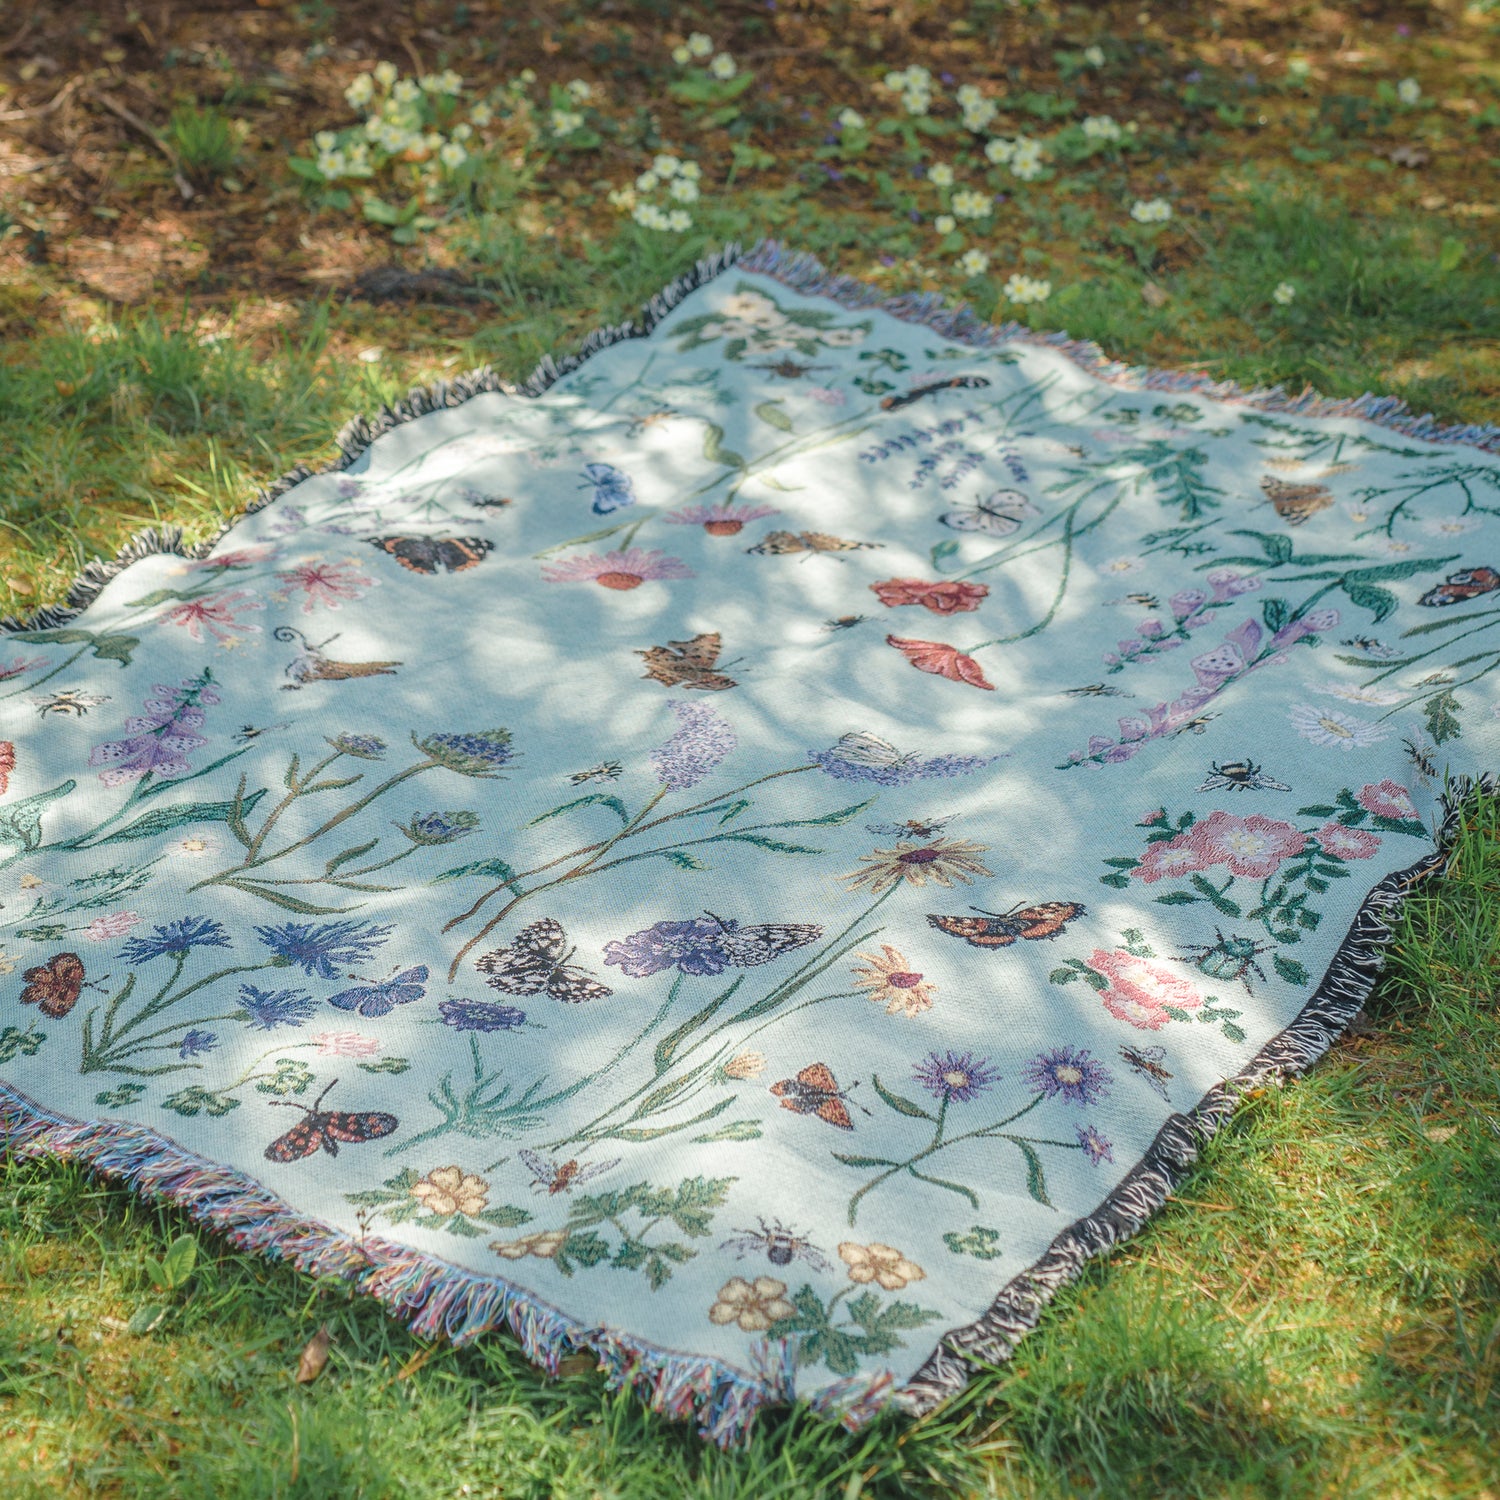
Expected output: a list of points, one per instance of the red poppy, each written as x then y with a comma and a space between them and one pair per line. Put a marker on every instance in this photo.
942, 661
7, 764
946, 597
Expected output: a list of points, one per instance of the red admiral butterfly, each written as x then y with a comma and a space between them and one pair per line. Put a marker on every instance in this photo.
428, 554
815, 1091
326, 1128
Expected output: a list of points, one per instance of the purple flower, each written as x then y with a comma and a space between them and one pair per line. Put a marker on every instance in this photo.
480, 1015
268, 1009
866, 757
699, 743
322, 952
1095, 1146
381, 998
159, 741
1187, 602
196, 1043
175, 939
694, 947
360, 746
955, 1075
348, 488
1068, 1074
439, 827
1227, 584
480, 753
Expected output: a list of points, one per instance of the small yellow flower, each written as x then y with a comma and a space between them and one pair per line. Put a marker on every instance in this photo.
544, 1245
30, 882
451, 1190
941, 861
880, 1263
7, 963
746, 1065
754, 1306
892, 982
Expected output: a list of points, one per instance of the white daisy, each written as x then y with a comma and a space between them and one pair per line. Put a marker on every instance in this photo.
1380, 697
1332, 728
1450, 525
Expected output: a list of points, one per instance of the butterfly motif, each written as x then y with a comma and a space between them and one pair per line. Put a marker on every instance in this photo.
912, 828
785, 543
688, 664
382, 996
998, 514
54, 987
429, 554
537, 961
934, 388
325, 1128
613, 488
1296, 503
760, 942
561, 1177
1000, 929
606, 770
1467, 583
1147, 1063
1375, 649
1096, 690
815, 1091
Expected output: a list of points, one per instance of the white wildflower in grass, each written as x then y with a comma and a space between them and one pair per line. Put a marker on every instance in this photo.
452, 155
331, 164
623, 198
360, 92
1297, 69
1102, 128
973, 262
1408, 91
432, 140
851, 119
699, 45
481, 115
566, 121
462, 132
1285, 294
723, 67
647, 182
649, 216
999, 151
325, 140
681, 56
1026, 159
683, 189
1094, 56
407, 91
941, 176
1151, 211
527, 76
665, 166
691, 170
977, 110
1022, 288
386, 73
945, 223
428, 83
968, 204
679, 221
916, 101
579, 91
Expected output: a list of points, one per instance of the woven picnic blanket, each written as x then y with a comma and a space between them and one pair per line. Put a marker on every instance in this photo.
754, 854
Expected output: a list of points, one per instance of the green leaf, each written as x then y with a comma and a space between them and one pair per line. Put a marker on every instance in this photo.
776, 846
602, 798
1120, 882
385, 1065
177, 1265
1232, 1032
1278, 548
21, 822
1441, 715
683, 860
1062, 976
666, 1049
1385, 572
163, 819
493, 869
901, 1105
863, 1161
1275, 612
105, 647
735, 1130
378, 211
145, 1319
942, 551
1036, 1177
1178, 898
832, 819
1381, 602
281, 899
715, 451
774, 413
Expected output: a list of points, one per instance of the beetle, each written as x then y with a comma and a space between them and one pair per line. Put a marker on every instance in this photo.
1229, 958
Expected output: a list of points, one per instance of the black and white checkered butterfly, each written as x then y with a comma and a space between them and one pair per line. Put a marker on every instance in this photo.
760, 942
537, 962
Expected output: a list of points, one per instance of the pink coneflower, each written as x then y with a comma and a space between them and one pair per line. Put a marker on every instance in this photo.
325, 583
219, 616
723, 519
241, 557
20, 665
617, 570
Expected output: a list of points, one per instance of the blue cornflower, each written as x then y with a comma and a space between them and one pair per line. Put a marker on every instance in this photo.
195, 1043
268, 1009
480, 753
323, 952
439, 827
360, 746
175, 939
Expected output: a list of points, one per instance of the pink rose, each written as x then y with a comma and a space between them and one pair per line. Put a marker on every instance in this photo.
1387, 799
117, 924
1166, 859
1253, 846
1346, 843
1140, 990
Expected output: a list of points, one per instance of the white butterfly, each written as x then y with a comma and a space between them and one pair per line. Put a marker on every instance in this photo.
998, 514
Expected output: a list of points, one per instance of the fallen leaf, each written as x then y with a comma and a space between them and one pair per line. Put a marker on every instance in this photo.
1153, 296
314, 1357
1409, 155
576, 1364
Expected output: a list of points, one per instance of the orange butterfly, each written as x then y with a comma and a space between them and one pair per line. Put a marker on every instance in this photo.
54, 986
782, 543
688, 664
814, 1091
1000, 929
942, 661
1295, 503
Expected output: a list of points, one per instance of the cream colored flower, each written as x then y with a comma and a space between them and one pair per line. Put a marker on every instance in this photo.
941, 861
451, 1190
746, 1065
881, 1263
544, 1245
754, 1306
893, 983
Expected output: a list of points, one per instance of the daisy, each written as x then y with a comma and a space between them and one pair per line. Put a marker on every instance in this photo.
617, 570
893, 983
941, 861
1331, 727
1450, 525
1379, 697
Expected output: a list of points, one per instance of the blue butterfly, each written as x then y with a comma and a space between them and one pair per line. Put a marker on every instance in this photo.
613, 489
380, 998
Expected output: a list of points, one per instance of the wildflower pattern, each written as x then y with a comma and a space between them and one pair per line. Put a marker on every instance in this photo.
571, 1034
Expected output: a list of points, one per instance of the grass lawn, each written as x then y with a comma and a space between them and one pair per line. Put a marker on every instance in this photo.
1319, 1312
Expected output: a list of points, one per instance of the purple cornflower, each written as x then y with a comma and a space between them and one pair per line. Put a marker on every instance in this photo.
1095, 1146
195, 1043
480, 1015
323, 952
694, 947
955, 1075
701, 740
1068, 1074
175, 939
268, 1009
159, 741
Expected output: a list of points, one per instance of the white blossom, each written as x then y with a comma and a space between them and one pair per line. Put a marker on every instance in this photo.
723, 67
1023, 288
684, 190
974, 262
1284, 294
945, 223
1101, 128
1151, 211
386, 74
851, 119
665, 166
452, 155
941, 176
699, 45
1094, 56
360, 91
